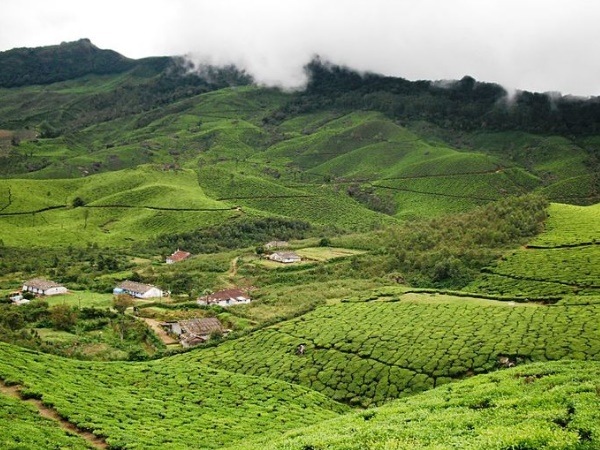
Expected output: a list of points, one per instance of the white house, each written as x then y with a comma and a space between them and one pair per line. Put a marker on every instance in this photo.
43, 287
285, 257
227, 297
138, 290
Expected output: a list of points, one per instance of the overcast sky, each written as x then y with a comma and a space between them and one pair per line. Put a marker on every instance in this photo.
537, 45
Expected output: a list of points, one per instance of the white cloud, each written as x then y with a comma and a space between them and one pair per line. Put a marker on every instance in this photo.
527, 44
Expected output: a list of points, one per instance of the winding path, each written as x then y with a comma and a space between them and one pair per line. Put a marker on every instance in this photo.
159, 331
51, 413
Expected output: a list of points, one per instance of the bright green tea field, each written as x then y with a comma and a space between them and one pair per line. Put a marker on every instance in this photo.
538, 406
563, 260
367, 353
160, 404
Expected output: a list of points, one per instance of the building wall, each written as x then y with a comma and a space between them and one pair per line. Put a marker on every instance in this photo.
232, 301
56, 290
152, 293
50, 291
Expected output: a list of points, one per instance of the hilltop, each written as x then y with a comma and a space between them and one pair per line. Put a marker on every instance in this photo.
67, 61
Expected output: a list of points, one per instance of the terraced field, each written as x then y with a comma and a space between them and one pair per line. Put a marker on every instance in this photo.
314, 203
159, 404
116, 207
564, 260
29, 430
549, 405
367, 353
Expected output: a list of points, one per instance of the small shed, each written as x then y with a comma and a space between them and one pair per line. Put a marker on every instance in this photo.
226, 297
195, 331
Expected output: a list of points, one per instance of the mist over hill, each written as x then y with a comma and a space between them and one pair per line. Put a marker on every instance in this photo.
465, 104
440, 230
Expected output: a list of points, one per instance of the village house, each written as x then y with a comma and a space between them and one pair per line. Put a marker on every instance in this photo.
195, 331
177, 256
43, 287
285, 257
137, 290
276, 244
226, 297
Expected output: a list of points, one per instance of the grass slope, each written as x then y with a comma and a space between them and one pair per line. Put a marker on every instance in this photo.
120, 207
365, 353
165, 403
550, 405
314, 203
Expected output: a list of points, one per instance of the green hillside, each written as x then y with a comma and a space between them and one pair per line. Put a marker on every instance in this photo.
367, 353
29, 430
564, 260
549, 405
432, 258
158, 404
112, 208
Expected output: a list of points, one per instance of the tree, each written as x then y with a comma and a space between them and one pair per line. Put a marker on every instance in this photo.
260, 251
13, 319
63, 317
77, 202
121, 303
325, 242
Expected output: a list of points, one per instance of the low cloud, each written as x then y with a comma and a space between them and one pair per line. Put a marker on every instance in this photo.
526, 44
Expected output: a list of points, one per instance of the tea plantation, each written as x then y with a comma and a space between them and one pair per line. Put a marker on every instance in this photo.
538, 406
390, 190
564, 260
159, 404
28, 430
367, 353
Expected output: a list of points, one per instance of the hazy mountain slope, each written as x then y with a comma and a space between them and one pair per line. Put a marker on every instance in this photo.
351, 149
69, 60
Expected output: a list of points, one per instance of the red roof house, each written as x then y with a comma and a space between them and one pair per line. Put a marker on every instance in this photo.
177, 256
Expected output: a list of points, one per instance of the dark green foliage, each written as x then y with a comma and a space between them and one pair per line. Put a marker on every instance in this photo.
80, 268
232, 235
450, 251
63, 317
462, 105
45, 65
22, 325
78, 202
371, 199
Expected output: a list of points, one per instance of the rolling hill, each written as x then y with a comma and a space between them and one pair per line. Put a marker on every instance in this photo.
389, 189
367, 353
